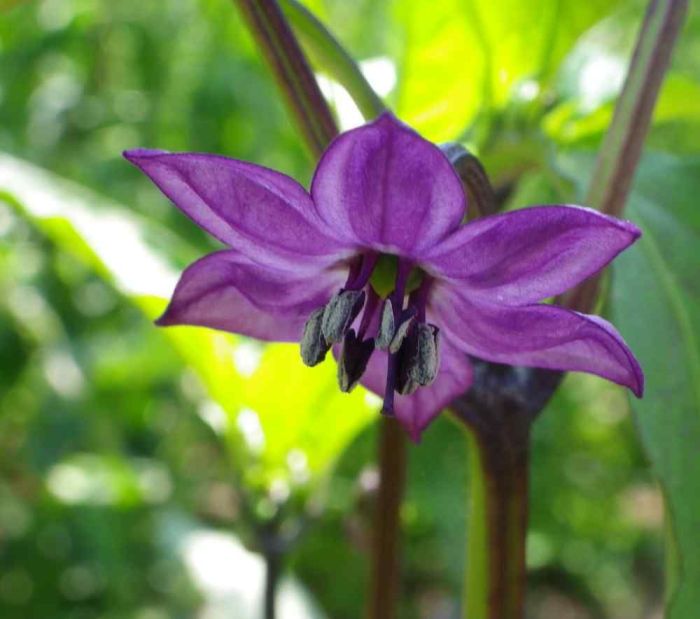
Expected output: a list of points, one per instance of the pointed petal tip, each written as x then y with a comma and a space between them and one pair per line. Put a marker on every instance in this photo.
388, 118
634, 382
134, 154
638, 385
633, 229
414, 433
165, 319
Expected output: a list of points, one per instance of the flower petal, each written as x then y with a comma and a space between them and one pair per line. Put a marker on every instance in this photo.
229, 292
264, 214
416, 411
385, 186
543, 336
527, 255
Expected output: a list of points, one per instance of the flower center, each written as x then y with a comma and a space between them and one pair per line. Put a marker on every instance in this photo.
393, 292
385, 273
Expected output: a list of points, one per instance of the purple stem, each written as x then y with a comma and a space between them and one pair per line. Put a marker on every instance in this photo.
295, 78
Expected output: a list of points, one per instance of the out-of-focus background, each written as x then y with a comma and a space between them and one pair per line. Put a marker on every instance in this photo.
143, 470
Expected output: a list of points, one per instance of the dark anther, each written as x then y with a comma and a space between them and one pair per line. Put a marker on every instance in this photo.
401, 332
386, 326
353, 360
313, 345
419, 359
340, 312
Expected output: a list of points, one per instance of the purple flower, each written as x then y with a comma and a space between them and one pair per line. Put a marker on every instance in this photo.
375, 262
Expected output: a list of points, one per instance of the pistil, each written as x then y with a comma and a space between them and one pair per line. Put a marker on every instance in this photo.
412, 345
396, 299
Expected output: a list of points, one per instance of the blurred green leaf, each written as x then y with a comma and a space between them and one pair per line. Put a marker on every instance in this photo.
656, 304
461, 58
675, 110
657, 284
290, 421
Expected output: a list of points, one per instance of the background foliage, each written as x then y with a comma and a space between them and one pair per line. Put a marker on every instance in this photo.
139, 467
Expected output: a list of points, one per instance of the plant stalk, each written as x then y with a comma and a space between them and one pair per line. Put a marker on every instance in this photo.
294, 76
296, 80
622, 146
498, 413
272, 575
384, 571
497, 518
332, 57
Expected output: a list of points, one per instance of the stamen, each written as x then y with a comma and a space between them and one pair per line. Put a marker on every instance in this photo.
397, 300
386, 326
340, 312
353, 360
361, 272
313, 345
419, 298
370, 307
408, 318
419, 359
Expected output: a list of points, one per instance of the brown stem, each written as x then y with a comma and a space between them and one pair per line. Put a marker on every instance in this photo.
272, 574
384, 571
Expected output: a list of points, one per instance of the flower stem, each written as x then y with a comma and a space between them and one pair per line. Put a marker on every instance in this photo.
384, 575
622, 146
498, 413
294, 76
272, 573
332, 57
297, 81
497, 520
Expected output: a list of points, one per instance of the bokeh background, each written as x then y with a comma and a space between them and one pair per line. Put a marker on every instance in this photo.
143, 470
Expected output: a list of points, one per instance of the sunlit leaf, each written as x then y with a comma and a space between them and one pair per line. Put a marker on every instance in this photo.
463, 57
303, 421
302, 412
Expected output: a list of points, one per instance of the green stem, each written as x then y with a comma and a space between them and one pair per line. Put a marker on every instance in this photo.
497, 413
292, 71
332, 57
497, 527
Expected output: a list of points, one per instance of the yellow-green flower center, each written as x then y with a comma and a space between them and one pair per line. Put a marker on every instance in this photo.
383, 278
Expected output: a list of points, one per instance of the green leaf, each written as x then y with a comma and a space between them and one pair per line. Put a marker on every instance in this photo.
463, 57
675, 124
655, 300
281, 421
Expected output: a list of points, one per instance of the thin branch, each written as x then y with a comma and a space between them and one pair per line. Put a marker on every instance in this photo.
384, 574
289, 65
332, 57
622, 147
